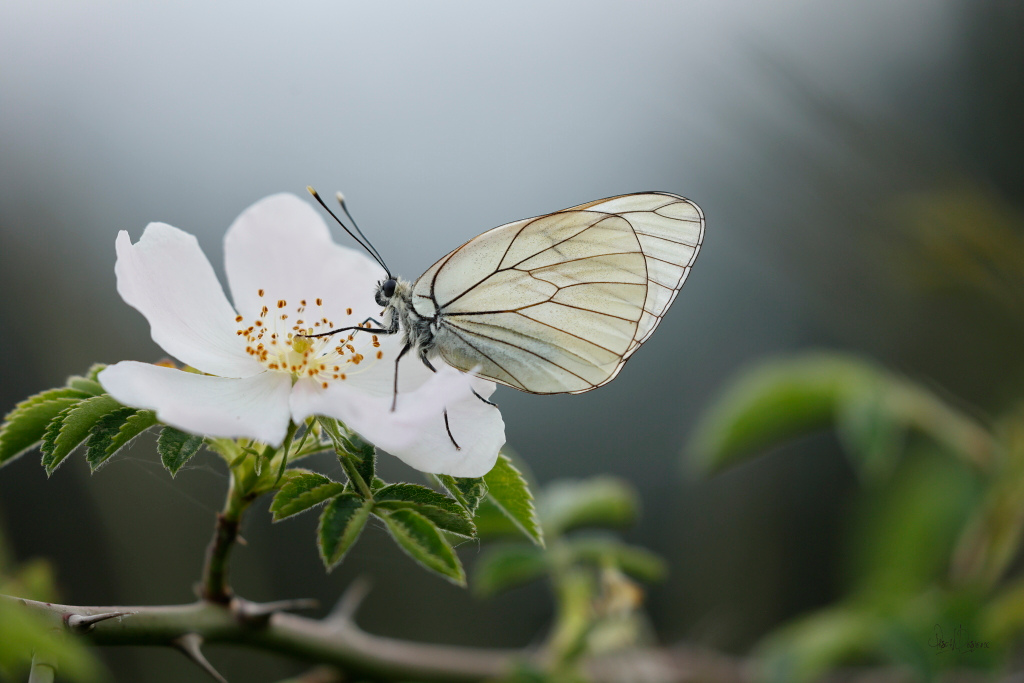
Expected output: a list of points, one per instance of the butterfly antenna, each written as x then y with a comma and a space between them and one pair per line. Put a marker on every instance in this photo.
344, 207
364, 243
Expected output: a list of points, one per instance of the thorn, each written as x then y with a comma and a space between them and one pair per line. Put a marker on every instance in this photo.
189, 644
350, 600
259, 613
83, 623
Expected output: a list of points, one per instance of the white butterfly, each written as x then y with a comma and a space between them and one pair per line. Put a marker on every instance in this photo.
553, 304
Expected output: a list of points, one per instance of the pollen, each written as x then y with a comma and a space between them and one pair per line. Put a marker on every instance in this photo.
283, 346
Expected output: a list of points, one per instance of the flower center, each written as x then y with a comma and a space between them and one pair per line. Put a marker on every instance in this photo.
276, 338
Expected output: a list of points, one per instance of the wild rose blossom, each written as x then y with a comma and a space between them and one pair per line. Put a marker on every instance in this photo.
287, 278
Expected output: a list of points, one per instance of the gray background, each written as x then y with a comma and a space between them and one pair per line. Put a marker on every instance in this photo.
793, 124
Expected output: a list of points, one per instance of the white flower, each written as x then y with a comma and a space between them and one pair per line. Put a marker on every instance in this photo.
286, 275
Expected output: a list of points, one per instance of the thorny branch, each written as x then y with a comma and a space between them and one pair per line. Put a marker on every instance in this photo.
338, 641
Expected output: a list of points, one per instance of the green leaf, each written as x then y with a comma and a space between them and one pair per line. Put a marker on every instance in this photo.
775, 402
491, 522
871, 409
1003, 614
600, 501
94, 371
805, 649
89, 386
23, 633
443, 511
423, 542
301, 491
348, 444
24, 426
901, 536
638, 562
70, 428
341, 522
176, 448
469, 491
508, 490
507, 566
114, 431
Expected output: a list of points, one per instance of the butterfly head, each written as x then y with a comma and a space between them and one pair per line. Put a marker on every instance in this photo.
386, 290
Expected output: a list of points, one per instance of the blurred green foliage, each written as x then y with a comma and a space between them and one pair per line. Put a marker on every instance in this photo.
593, 574
24, 636
930, 584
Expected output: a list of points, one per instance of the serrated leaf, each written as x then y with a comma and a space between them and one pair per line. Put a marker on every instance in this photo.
469, 491
301, 491
638, 562
176, 448
508, 490
600, 501
89, 386
348, 444
71, 427
94, 371
423, 542
507, 566
443, 511
492, 523
24, 426
114, 431
341, 522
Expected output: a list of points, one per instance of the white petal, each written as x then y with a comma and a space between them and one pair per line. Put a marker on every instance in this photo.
416, 432
282, 245
254, 407
378, 379
168, 279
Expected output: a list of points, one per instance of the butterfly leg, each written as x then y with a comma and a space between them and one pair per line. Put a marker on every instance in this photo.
447, 426
394, 398
449, 429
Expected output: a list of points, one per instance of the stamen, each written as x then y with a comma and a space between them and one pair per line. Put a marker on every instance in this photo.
285, 347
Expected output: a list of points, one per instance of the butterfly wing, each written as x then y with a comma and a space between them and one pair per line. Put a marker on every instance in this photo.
557, 303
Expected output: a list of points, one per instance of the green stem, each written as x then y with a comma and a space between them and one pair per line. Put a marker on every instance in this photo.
284, 451
353, 476
215, 586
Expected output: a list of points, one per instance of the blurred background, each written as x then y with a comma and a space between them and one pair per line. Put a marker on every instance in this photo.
846, 155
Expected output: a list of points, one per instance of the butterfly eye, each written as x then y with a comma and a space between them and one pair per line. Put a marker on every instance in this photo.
388, 288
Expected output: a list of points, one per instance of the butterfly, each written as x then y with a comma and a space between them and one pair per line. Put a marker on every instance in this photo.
548, 305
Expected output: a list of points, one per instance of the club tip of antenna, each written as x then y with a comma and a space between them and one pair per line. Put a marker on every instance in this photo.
309, 189
340, 196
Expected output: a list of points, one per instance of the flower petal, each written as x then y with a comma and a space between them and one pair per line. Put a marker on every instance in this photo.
281, 245
416, 432
254, 407
168, 279
378, 378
